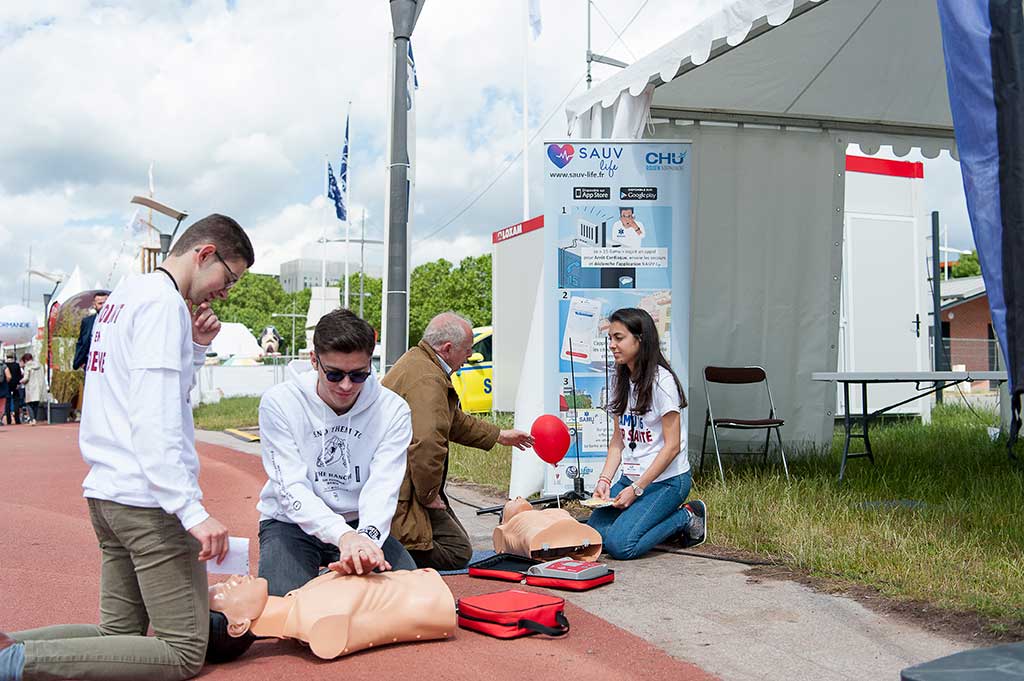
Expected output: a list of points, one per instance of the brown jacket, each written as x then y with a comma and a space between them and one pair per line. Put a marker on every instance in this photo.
436, 420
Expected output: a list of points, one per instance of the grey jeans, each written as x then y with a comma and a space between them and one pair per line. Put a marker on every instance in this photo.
289, 557
151, 575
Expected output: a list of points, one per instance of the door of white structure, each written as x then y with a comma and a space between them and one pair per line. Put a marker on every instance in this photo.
883, 326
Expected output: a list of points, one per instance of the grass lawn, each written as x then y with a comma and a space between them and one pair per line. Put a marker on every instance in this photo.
960, 547
938, 518
230, 412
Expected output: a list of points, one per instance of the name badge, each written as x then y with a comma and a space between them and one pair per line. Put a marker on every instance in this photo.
632, 470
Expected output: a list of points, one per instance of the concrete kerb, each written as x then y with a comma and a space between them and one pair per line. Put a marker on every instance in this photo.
710, 613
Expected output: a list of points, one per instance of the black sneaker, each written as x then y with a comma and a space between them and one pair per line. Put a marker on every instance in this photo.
696, 532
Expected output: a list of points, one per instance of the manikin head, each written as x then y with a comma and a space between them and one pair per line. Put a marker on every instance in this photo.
451, 336
241, 598
342, 350
513, 507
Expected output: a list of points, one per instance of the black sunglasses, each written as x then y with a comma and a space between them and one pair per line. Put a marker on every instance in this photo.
337, 375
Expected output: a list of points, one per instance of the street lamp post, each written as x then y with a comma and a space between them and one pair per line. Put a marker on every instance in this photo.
47, 297
404, 14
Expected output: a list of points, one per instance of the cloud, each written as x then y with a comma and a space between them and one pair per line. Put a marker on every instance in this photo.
238, 104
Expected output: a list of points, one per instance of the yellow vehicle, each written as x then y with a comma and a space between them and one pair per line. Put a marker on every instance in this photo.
473, 380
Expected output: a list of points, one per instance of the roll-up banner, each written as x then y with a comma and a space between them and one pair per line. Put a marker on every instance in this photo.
618, 235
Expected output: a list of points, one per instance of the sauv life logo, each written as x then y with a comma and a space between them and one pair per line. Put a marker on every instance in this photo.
561, 154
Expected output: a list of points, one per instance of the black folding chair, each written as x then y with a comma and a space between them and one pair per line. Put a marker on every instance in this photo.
739, 376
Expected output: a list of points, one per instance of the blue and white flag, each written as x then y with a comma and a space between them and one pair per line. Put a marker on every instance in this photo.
413, 83
335, 195
535, 24
983, 42
137, 226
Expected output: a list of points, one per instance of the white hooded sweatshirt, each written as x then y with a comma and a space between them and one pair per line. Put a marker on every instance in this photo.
324, 468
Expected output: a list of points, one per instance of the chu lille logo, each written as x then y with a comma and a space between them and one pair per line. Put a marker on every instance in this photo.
561, 154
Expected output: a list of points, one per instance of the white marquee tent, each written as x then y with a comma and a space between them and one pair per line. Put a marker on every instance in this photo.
771, 92
235, 341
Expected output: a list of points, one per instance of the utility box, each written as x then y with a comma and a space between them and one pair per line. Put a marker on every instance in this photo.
885, 304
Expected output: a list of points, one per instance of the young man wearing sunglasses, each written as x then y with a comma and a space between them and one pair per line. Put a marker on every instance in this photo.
334, 444
142, 488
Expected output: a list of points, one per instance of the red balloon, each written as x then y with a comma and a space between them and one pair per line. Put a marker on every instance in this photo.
550, 438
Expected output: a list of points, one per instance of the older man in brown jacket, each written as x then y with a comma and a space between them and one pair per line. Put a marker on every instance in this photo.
424, 522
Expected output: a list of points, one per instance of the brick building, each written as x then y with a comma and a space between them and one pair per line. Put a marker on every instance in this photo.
967, 331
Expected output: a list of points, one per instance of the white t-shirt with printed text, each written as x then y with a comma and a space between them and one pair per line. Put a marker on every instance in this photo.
137, 433
645, 430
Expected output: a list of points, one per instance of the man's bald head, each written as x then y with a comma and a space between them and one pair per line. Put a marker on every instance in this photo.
451, 336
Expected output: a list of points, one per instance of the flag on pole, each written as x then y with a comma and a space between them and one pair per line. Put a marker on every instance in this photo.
983, 41
137, 227
334, 194
413, 80
535, 25
343, 173
412, 84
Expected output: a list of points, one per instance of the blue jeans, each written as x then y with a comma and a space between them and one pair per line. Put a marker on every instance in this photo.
649, 520
289, 557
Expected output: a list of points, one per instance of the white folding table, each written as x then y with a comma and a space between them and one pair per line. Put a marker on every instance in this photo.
937, 380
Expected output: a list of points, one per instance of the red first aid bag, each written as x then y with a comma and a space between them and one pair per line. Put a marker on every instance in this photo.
513, 613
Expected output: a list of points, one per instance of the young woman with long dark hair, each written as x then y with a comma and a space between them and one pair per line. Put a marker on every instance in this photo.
649, 444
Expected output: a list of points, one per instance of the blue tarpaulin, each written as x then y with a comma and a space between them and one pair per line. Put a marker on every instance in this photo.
983, 42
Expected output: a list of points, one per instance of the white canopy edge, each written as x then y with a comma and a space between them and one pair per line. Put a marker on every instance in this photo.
930, 143
721, 30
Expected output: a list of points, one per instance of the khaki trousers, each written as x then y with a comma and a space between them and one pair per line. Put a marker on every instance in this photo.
151, 575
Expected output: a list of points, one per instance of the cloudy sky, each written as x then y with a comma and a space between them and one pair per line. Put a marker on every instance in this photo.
236, 103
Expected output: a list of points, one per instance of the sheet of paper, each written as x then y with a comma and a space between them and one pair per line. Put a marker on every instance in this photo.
237, 560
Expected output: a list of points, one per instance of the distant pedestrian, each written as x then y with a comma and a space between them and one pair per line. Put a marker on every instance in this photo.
34, 380
85, 331
5, 390
12, 411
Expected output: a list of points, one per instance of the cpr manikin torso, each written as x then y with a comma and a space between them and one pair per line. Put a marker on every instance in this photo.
340, 614
547, 534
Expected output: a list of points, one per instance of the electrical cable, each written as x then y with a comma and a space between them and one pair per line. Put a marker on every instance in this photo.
742, 561
462, 501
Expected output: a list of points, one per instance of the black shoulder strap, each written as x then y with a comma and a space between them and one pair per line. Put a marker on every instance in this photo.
561, 630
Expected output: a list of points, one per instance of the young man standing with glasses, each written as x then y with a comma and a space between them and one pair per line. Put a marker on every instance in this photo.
334, 444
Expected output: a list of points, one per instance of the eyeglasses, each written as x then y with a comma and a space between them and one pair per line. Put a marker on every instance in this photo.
337, 375
232, 277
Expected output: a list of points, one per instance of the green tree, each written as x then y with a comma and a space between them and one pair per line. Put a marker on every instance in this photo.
255, 298
967, 266
438, 286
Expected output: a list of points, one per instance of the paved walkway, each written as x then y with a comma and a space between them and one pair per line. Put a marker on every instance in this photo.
49, 573
666, 616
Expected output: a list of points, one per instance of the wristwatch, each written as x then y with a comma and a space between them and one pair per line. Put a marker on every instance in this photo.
637, 489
